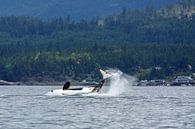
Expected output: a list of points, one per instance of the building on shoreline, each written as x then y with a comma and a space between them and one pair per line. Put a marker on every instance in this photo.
178, 81
183, 80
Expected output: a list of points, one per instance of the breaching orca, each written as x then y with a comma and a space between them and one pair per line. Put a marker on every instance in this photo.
66, 90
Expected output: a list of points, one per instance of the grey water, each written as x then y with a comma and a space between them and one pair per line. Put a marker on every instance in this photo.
27, 107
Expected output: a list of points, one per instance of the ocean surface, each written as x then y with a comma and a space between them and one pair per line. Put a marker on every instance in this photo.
27, 107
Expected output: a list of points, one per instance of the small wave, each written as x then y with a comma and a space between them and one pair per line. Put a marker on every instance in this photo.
3, 96
98, 95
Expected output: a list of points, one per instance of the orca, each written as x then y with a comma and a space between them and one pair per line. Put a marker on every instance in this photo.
66, 90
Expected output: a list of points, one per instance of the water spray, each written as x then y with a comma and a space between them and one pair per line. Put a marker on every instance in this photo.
119, 82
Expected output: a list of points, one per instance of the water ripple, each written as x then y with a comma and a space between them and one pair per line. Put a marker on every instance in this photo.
142, 108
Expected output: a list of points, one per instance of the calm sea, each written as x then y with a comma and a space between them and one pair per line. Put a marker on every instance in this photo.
27, 107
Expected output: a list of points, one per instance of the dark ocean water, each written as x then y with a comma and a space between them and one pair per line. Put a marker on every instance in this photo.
27, 107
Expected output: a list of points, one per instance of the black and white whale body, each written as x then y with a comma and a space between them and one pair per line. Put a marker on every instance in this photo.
66, 90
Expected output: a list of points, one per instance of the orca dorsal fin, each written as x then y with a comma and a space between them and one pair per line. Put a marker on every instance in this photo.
66, 85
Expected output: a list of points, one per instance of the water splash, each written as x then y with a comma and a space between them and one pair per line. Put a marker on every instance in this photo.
119, 83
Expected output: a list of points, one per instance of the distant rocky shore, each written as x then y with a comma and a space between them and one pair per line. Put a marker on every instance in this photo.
178, 81
3, 82
74, 83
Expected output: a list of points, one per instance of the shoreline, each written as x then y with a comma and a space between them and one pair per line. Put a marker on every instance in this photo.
74, 83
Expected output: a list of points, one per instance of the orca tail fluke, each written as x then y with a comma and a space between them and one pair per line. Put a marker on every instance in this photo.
66, 85
105, 74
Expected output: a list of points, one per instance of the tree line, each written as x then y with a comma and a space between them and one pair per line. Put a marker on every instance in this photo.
147, 43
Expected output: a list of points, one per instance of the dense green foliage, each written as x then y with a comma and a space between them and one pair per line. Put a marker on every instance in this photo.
137, 42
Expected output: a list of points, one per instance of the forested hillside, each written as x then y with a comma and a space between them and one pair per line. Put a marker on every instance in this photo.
76, 9
147, 43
